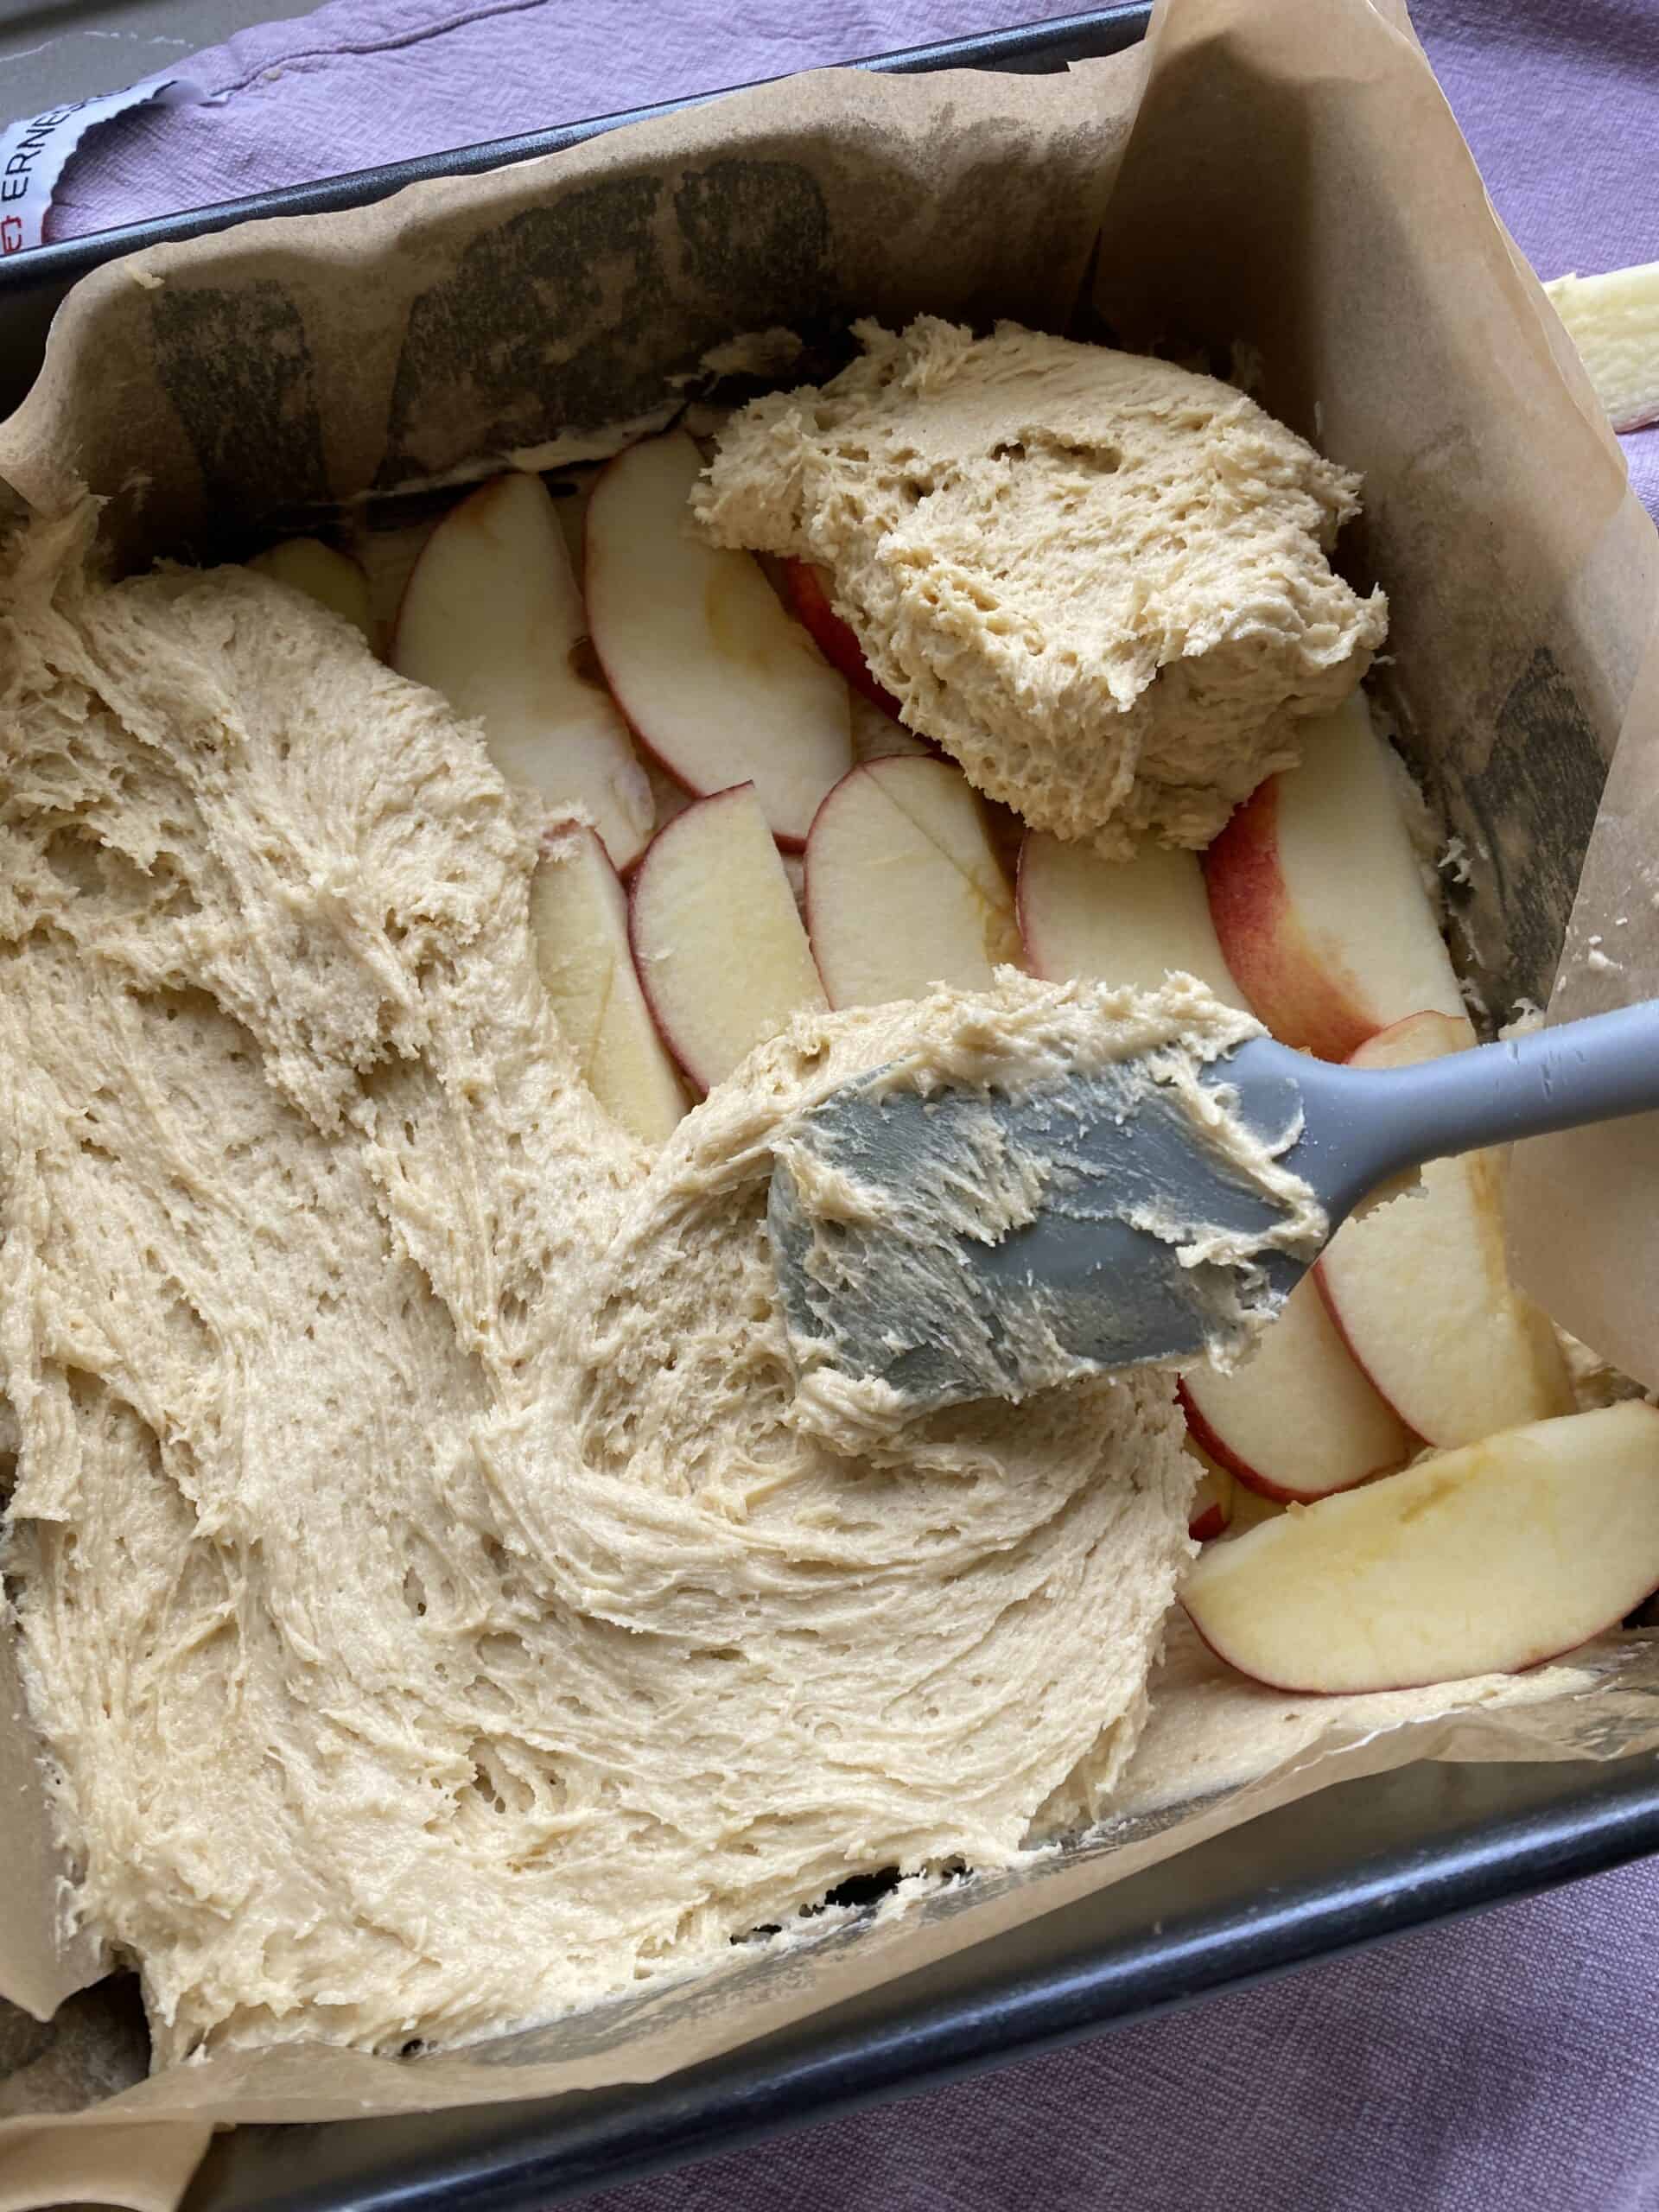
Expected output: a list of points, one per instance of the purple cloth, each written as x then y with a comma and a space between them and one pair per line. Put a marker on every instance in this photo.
1502, 2063
1507, 2060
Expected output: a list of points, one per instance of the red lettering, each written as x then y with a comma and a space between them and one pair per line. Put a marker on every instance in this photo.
12, 234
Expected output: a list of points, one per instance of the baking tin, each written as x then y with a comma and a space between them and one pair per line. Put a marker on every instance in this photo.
33, 285
1284, 1889
1277, 1892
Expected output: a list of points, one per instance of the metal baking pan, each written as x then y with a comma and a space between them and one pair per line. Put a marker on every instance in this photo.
1277, 1892
33, 285
1290, 1887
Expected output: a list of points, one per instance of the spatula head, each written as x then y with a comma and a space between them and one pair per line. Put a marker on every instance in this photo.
975, 1243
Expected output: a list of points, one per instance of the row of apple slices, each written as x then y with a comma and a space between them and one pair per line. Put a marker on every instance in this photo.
707, 955
1487, 1557
1410, 1331
670, 645
1311, 898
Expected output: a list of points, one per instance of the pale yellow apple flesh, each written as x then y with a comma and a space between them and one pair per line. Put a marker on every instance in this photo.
492, 619
1317, 899
1118, 921
1298, 1420
717, 677
903, 888
717, 938
1614, 322
330, 578
1481, 1560
579, 917
1419, 1287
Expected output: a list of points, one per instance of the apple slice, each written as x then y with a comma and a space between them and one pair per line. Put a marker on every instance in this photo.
492, 618
903, 889
1298, 1420
1117, 921
1318, 907
1479, 1561
706, 663
717, 938
1212, 1501
1418, 1285
808, 588
579, 916
332, 579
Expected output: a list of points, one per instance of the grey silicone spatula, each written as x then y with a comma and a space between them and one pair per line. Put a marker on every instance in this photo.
878, 1290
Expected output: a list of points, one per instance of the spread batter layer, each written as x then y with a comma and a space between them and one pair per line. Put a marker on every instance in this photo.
436, 1611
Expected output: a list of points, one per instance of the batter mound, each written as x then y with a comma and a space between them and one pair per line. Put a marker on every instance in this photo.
1100, 581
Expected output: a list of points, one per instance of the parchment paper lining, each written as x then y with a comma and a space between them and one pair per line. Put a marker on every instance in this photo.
1278, 174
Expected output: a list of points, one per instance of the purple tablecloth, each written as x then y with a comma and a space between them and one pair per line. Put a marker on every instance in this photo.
1507, 2062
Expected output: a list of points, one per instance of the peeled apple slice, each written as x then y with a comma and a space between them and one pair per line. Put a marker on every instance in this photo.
1614, 322
1118, 921
903, 889
1479, 1561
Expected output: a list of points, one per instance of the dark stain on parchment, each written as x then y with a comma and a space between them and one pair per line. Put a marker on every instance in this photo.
1534, 802
756, 238
491, 359
237, 365
576, 314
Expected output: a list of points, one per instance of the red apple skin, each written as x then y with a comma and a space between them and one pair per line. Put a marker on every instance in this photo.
1264, 945
1208, 1524
1206, 1438
1208, 1519
806, 586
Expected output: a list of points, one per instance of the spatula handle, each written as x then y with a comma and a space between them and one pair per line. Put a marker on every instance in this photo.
1382, 1120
